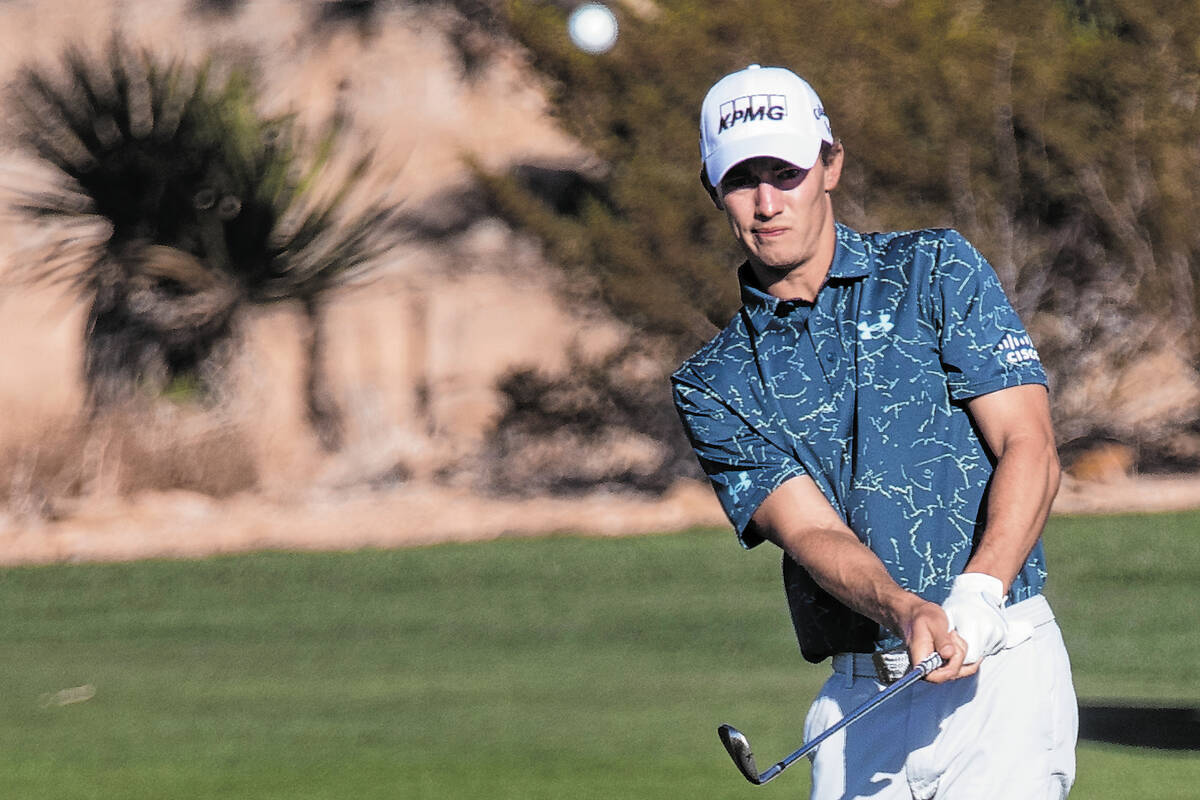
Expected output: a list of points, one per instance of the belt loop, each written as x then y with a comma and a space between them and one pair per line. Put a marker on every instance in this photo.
843, 665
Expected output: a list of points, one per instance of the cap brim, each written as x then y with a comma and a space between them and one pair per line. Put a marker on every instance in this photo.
788, 148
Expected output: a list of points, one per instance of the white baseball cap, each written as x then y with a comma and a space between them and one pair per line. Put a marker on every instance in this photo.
761, 111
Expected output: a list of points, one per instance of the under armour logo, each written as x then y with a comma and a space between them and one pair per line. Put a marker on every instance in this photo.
867, 331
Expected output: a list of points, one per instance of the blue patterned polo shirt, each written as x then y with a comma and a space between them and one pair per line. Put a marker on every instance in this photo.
864, 391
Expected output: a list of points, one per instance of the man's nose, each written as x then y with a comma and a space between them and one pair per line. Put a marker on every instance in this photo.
766, 199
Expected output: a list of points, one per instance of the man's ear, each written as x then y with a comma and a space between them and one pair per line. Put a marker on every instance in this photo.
833, 169
712, 190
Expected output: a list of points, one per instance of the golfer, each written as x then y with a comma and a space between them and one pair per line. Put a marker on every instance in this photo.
877, 410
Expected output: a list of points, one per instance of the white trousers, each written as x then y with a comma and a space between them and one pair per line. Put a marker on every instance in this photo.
1006, 733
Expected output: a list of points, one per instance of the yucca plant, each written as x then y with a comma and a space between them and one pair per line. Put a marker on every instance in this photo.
207, 206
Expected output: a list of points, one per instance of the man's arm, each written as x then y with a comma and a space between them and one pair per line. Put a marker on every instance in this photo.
1016, 426
799, 519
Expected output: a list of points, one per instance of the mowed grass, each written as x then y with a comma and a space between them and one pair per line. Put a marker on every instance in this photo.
1125, 589
568, 667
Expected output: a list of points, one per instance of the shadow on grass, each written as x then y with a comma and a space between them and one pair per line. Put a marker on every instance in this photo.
1160, 727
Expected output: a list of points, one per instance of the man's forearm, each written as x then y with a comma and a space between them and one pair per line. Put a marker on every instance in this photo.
799, 519
852, 573
1023, 489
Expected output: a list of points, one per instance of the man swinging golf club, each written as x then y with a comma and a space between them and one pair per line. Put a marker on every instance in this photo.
877, 410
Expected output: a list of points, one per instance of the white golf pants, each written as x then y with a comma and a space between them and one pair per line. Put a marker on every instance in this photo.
1006, 733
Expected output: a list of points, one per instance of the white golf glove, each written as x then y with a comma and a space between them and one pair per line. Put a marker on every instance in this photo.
975, 609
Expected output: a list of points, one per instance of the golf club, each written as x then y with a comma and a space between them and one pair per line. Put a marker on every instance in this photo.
739, 747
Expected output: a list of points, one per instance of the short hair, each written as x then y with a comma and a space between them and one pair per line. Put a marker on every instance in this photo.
828, 150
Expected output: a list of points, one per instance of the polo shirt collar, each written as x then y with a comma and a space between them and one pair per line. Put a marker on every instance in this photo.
851, 260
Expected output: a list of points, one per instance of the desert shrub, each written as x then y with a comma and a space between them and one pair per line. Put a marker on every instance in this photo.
196, 205
122, 453
603, 422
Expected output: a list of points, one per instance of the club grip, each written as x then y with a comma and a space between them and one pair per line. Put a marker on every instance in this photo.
931, 662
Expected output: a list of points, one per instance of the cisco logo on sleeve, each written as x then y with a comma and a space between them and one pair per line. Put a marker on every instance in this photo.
1017, 350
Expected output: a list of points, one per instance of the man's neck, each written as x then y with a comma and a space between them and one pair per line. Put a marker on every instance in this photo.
798, 281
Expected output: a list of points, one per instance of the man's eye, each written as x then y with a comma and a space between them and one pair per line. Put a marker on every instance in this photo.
736, 182
789, 174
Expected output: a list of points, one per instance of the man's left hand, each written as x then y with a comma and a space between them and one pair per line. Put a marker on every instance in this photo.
975, 610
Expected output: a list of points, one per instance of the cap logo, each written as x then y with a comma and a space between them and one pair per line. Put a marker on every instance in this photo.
819, 116
751, 108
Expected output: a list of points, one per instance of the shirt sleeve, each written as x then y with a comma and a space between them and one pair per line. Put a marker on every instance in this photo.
741, 462
984, 346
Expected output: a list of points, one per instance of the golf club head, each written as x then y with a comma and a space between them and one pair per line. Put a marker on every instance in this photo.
739, 750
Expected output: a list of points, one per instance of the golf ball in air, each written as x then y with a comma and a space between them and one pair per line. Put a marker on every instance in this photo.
593, 28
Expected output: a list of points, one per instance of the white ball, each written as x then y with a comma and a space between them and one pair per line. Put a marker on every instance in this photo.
593, 28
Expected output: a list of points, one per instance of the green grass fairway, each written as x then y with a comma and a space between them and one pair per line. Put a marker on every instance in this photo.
524, 669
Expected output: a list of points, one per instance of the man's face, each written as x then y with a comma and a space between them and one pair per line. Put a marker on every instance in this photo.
781, 213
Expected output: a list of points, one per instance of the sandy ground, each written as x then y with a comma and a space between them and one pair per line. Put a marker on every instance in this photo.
188, 525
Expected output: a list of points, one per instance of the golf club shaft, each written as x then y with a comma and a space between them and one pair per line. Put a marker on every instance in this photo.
912, 676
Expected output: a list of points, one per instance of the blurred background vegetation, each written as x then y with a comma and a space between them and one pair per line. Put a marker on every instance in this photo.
1061, 137
207, 205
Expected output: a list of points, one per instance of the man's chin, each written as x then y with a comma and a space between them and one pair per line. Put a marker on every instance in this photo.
776, 266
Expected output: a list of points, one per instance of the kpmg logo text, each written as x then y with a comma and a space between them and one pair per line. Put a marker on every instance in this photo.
751, 108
